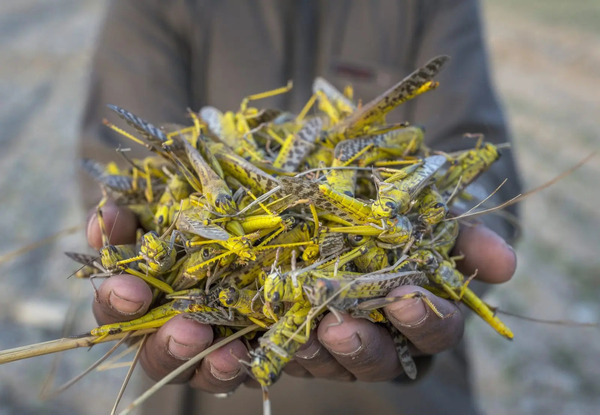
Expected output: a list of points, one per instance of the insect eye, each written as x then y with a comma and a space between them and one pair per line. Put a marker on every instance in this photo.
205, 254
160, 220
438, 205
391, 205
355, 239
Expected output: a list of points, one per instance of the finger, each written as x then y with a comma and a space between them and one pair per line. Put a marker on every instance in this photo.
365, 349
316, 360
120, 222
293, 368
121, 297
486, 253
427, 332
173, 344
221, 371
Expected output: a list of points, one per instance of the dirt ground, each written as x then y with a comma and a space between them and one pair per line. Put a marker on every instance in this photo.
545, 54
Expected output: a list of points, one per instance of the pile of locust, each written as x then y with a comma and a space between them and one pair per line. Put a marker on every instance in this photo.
262, 217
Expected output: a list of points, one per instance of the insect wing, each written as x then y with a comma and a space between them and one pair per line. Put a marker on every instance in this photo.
192, 223
424, 172
379, 285
212, 117
151, 133
300, 145
218, 316
84, 259
333, 94
331, 244
305, 189
406, 89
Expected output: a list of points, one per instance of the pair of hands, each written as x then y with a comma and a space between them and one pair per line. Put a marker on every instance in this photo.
354, 350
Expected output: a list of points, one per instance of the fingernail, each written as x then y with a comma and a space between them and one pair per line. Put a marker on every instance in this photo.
122, 305
409, 312
512, 250
223, 395
224, 376
309, 351
91, 223
178, 350
346, 347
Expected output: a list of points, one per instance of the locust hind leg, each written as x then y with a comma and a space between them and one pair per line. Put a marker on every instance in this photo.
376, 303
401, 344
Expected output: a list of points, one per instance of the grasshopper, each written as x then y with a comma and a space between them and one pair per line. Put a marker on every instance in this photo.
297, 146
447, 281
367, 150
122, 188
373, 112
331, 101
278, 345
354, 293
192, 303
467, 166
214, 188
244, 302
431, 206
346, 209
396, 193
234, 129
299, 233
156, 139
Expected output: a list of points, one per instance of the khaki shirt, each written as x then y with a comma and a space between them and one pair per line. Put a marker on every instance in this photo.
156, 58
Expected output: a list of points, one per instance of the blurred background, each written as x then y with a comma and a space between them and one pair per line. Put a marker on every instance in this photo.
545, 58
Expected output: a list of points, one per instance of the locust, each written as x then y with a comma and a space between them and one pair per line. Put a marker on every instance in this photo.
361, 120
396, 193
365, 151
259, 221
467, 166
234, 129
447, 281
278, 345
360, 295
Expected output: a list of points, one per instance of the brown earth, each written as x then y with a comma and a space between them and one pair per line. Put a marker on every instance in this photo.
545, 57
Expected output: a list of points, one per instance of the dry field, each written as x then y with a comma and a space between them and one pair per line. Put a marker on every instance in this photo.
545, 54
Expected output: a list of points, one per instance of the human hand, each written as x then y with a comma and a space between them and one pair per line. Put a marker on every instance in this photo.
359, 349
355, 349
125, 297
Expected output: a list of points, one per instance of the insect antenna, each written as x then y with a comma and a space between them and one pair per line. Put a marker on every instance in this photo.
528, 193
569, 323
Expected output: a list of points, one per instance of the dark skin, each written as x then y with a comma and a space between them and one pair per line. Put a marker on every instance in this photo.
354, 350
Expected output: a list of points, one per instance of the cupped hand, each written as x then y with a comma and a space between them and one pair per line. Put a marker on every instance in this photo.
359, 349
354, 349
125, 297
